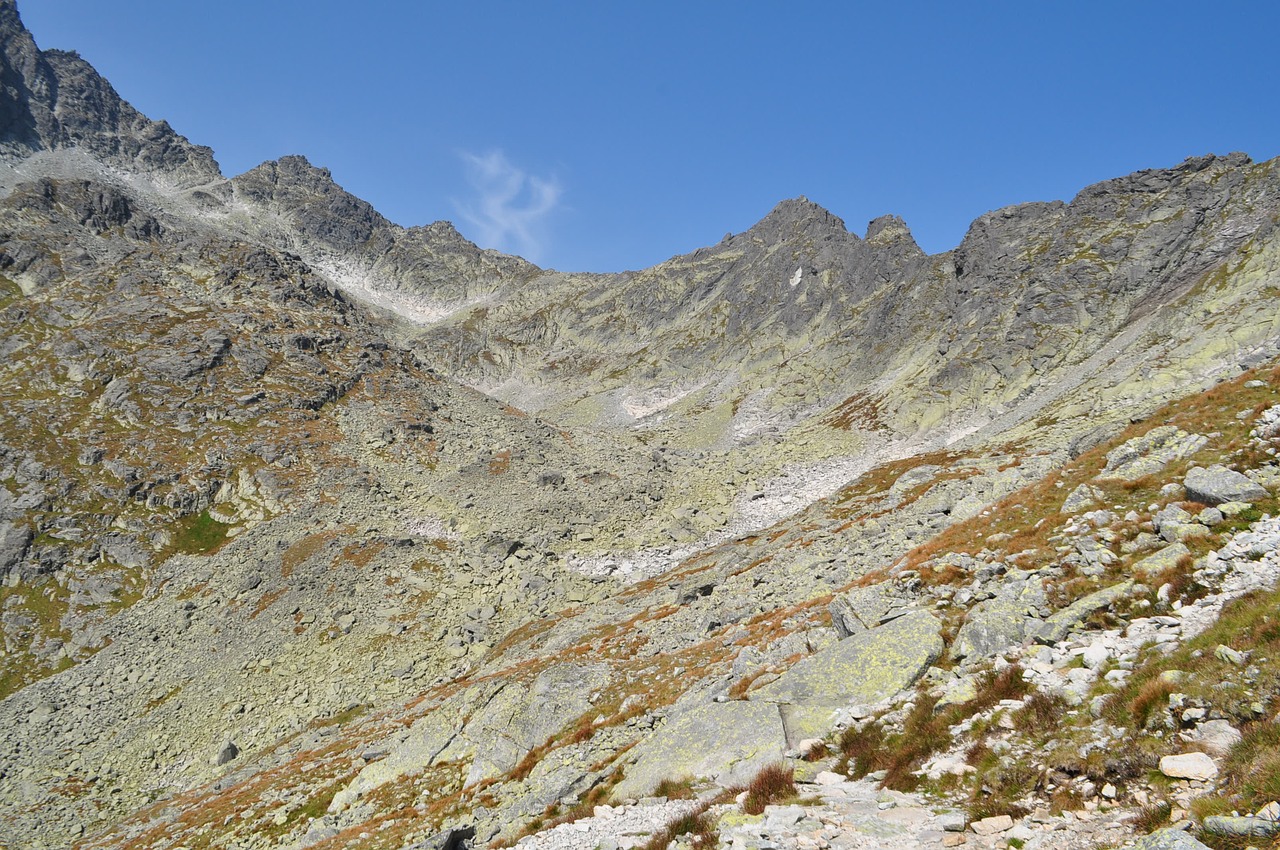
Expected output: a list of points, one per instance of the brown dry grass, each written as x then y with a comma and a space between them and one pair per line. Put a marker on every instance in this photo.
772, 784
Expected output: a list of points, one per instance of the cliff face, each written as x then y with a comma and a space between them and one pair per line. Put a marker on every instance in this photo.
53, 100
360, 531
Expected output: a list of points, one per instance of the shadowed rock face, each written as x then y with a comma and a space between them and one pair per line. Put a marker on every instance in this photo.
52, 99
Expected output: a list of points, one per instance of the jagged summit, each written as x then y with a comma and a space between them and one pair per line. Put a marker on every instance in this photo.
798, 217
295, 188
53, 99
891, 230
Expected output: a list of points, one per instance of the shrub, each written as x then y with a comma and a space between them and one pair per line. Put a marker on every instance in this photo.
1041, 715
774, 783
859, 750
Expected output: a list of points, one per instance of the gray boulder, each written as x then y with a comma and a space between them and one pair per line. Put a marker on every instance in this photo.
1080, 498
1241, 827
1217, 484
1162, 560
1169, 839
725, 741
863, 669
14, 540
865, 608
226, 753
996, 624
1058, 626
1151, 452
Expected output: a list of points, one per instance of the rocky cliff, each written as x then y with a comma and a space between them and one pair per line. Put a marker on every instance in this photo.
317, 531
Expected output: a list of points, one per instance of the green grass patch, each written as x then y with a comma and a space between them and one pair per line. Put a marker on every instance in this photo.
9, 292
198, 535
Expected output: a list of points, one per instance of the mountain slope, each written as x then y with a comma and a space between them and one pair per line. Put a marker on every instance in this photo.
317, 531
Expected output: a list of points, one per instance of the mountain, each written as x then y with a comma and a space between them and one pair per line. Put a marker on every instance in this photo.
318, 531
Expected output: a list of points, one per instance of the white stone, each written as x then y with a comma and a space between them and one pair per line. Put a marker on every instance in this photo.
992, 825
827, 777
1197, 766
1095, 655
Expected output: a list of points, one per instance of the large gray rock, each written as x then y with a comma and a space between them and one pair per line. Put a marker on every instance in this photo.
1058, 626
1169, 839
517, 719
865, 608
1162, 560
863, 669
724, 741
1215, 737
14, 540
1080, 498
1194, 765
1217, 485
996, 624
454, 838
1241, 827
426, 739
1151, 452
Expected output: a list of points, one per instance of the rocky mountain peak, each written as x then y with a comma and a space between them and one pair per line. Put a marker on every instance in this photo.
296, 168
442, 233
891, 231
54, 100
308, 194
798, 218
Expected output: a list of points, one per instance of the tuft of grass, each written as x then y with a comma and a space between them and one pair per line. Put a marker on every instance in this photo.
1153, 817
675, 789
774, 783
1125, 709
924, 732
698, 825
1041, 715
739, 689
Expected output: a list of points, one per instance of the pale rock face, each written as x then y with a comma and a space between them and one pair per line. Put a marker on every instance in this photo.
1095, 655
1151, 452
1194, 765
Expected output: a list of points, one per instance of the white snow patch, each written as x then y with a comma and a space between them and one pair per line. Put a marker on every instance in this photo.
655, 401
795, 278
431, 528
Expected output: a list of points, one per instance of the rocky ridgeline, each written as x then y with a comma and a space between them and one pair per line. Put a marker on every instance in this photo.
276, 573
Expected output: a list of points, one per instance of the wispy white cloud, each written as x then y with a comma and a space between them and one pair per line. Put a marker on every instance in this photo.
511, 206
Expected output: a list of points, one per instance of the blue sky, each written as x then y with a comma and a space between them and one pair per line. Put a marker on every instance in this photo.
604, 136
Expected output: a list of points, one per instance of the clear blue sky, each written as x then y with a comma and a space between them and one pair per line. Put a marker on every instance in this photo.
607, 135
